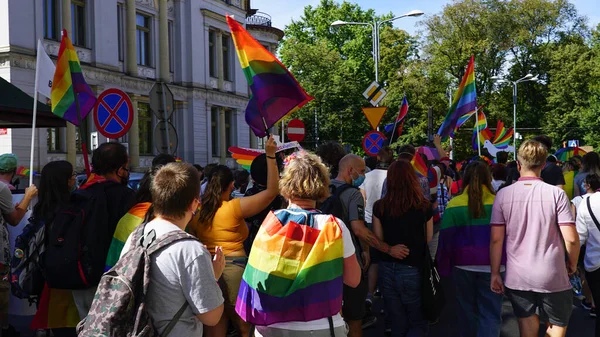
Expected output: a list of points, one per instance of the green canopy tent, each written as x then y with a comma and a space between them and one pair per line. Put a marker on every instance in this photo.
16, 109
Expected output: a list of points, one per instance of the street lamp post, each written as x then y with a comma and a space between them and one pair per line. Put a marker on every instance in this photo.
375, 31
528, 77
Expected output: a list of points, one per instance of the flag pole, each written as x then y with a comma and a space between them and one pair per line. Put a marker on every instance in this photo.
82, 137
266, 127
33, 122
478, 137
396, 121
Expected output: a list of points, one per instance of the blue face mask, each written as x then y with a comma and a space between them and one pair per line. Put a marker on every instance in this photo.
359, 180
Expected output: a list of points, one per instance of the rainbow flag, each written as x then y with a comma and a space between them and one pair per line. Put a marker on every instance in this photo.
125, 227
419, 164
481, 122
465, 241
462, 120
294, 272
399, 119
56, 310
68, 85
566, 153
275, 91
503, 136
484, 131
465, 101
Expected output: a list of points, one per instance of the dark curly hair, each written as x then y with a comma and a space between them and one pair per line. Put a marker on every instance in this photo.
331, 153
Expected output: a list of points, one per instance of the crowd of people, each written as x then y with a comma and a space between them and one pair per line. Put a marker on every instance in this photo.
302, 242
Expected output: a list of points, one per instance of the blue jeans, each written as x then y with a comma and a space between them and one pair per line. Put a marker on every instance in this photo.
402, 299
479, 309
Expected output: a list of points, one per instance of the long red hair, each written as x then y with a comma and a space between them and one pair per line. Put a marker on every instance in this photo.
403, 191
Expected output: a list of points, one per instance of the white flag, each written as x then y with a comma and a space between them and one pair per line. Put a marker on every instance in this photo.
44, 69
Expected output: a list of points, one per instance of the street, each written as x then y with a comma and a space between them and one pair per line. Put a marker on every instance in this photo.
581, 324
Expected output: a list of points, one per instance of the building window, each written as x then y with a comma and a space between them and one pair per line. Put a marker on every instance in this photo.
120, 31
78, 22
226, 58
146, 129
214, 128
143, 39
53, 140
171, 51
212, 53
51, 19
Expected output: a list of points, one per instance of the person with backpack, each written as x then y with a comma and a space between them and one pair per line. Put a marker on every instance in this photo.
140, 212
348, 204
182, 295
464, 253
80, 235
220, 222
588, 228
10, 214
56, 308
403, 216
292, 285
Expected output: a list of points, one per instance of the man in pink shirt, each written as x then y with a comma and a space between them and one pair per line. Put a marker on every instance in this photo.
535, 222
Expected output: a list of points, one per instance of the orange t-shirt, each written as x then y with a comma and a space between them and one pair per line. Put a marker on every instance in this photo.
228, 229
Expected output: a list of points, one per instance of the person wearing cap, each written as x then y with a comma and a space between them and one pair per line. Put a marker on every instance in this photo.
9, 214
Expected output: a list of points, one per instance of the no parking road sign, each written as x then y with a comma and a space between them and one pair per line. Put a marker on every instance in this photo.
373, 142
113, 113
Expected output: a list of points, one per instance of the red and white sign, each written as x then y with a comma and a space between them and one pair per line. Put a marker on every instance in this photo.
296, 130
3, 131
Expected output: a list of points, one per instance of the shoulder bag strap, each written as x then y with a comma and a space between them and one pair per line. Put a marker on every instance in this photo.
589, 206
174, 320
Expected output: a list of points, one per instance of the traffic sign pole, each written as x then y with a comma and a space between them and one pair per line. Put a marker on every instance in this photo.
164, 101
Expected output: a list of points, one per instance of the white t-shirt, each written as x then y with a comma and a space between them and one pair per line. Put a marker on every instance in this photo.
588, 231
372, 186
319, 324
180, 272
496, 184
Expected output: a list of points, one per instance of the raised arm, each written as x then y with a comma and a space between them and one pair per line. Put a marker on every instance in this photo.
253, 205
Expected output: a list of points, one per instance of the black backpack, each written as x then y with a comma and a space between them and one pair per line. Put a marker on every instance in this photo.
78, 241
27, 280
334, 206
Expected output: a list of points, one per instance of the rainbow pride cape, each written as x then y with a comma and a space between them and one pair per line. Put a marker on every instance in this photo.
56, 310
68, 85
125, 227
275, 91
465, 241
294, 272
465, 101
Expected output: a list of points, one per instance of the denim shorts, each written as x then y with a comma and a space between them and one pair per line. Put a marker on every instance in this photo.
555, 307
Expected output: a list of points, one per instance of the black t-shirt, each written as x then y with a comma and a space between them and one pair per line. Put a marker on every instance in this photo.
254, 222
120, 198
407, 229
551, 174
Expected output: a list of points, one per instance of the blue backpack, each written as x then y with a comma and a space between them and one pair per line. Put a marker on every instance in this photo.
27, 280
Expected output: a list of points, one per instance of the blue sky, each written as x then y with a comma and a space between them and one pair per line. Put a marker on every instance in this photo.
283, 14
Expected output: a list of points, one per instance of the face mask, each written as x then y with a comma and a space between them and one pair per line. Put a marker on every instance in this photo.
125, 179
359, 180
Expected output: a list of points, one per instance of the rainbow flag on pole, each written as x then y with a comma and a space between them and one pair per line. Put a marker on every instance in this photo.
275, 91
69, 85
295, 270
465, 101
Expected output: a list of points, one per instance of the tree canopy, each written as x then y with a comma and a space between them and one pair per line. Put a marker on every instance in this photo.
509, 39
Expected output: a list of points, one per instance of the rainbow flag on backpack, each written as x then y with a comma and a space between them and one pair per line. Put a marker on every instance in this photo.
125, 227
294, 272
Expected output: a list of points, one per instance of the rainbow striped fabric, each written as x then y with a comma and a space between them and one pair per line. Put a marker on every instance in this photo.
419, 164
484, 132
125, 227
465, 101
503, 136
465, 241
275, 91
68, 85
462, 120
56, 310
295, 271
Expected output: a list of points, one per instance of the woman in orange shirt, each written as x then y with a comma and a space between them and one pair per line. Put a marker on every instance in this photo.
220, 222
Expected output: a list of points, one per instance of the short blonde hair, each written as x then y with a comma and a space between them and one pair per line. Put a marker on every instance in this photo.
532, 154
304, 177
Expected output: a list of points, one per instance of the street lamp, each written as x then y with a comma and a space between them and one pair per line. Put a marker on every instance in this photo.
375, 29
526, 78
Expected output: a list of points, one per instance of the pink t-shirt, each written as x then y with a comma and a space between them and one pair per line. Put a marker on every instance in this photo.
535, 253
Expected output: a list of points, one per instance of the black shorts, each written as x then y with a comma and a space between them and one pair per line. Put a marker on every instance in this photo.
555, 308
353, 305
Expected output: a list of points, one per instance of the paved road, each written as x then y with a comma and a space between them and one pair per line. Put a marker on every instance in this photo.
581, 325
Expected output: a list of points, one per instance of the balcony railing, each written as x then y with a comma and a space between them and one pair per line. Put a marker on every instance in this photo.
259, 19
